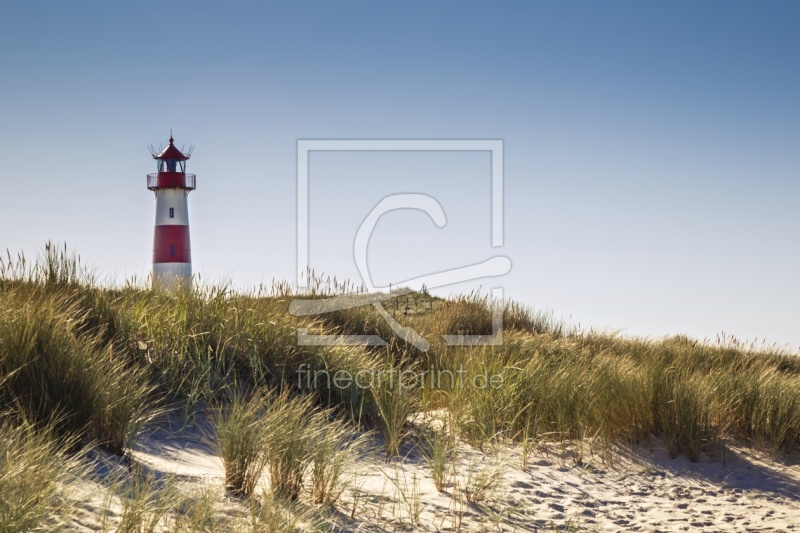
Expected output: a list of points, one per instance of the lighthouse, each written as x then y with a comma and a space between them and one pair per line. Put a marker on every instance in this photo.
172, 256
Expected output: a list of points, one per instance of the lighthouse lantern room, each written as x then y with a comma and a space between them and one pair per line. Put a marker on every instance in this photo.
172, 258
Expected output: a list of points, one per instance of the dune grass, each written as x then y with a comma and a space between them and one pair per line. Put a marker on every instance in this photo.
289, 437
85, 363
54, 368
34, 470
240, 437
438, 448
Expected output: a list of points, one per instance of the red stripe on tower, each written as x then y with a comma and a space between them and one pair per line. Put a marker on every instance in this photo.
171, 244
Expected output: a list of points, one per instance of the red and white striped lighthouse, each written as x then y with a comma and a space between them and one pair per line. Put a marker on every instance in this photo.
172, 256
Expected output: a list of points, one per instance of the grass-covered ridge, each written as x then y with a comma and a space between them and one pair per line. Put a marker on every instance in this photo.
83, 364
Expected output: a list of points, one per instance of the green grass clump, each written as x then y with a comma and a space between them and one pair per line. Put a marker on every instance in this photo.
290, 438
52, 367
304, 441
293, 426
394, 401
682, 405
439, 448
240, 436
333, 453
34, 470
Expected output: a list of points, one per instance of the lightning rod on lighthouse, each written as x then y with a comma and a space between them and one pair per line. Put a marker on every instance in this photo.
172, 257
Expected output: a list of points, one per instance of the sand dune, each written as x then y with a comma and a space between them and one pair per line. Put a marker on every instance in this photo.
561, 488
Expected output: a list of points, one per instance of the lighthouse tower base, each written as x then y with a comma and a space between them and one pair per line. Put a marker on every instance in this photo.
172, 275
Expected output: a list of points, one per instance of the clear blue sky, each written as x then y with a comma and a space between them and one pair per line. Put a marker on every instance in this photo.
652, 150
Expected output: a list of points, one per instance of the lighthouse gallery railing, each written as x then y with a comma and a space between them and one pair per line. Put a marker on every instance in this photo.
168, 180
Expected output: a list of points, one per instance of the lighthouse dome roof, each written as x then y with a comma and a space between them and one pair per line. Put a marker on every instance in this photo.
171, 152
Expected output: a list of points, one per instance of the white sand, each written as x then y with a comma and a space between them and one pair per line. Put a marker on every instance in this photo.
739, 490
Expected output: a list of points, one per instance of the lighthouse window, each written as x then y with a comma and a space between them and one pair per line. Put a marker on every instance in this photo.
172, 251
171, 212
